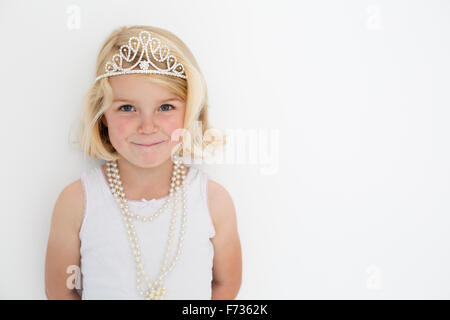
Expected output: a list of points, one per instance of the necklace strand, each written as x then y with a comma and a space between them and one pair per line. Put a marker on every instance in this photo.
156, 290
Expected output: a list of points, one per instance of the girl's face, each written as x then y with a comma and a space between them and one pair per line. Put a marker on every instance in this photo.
143, 113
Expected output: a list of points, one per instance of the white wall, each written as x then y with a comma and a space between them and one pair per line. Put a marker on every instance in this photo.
355, 201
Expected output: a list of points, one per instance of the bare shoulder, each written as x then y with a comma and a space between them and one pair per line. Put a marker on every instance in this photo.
216, 190
227, 265
220, 203
70, 203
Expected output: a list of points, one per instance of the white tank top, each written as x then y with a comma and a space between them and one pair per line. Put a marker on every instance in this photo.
108, 267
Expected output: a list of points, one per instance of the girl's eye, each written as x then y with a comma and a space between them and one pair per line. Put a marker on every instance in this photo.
164, 105
127, 105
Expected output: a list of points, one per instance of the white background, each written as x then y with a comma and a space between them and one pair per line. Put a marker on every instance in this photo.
358, 206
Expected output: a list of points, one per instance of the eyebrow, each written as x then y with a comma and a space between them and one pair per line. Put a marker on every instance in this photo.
164, 100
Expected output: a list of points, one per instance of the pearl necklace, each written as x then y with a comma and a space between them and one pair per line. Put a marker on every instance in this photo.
156, 290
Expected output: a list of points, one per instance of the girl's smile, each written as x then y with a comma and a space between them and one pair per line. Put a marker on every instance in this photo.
147, 147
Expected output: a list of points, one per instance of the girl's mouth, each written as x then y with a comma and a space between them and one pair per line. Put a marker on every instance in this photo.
148, 145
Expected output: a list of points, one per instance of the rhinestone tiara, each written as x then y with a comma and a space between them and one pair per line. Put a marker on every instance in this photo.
150, 46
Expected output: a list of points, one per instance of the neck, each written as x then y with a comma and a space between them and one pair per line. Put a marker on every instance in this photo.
148, 183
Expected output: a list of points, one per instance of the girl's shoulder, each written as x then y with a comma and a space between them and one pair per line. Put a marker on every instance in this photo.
70, 203
226, 242
220, 204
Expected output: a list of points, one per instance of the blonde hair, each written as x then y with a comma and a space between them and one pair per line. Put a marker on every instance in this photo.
93, 136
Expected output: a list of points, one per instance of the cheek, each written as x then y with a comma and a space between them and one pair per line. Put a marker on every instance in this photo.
173, 124
120, 128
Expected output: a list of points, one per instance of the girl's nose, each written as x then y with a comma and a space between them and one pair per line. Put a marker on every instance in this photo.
147, 126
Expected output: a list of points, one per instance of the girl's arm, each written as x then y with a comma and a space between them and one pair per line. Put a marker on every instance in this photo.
227, 268
63, 249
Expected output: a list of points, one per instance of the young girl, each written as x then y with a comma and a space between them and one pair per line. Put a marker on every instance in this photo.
144, 224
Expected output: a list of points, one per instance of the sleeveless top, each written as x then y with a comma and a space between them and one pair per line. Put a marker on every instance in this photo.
108, 265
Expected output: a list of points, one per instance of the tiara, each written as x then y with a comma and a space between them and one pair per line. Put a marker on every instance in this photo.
150, 46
